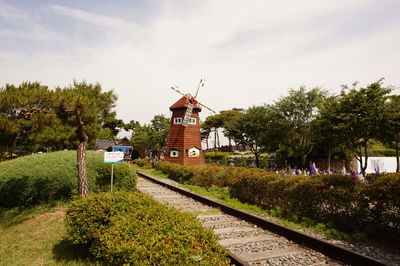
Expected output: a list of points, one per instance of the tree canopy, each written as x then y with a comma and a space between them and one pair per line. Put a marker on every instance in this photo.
152, 136
86, 108
359, 117
256, 128
299, 109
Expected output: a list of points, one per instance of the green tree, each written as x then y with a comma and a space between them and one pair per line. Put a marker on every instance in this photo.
85, 107
205, 131
160, 125
214, 123
151, 136
360, 116
390, 132
326, 133
113, 125
226, 116
106, 134
299, 109
58, 136
24, 110
142, 138
258, 128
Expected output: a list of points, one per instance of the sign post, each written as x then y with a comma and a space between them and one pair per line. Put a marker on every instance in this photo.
113, 157
112, 175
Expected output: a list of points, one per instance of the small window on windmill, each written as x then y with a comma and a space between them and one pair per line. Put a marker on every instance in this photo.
177, 120
192, 121
173, 153
193, 152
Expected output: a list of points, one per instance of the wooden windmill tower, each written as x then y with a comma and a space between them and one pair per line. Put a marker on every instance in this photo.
184, 140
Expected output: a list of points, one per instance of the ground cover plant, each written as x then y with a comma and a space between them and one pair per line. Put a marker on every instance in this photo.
37, 236
131, 228
342, 201
41, 178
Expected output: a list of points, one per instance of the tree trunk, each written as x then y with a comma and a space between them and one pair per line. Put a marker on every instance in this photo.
114, 140
366, 158
219, 144
14, 145
329, 161
397, 157
215, 138
82, 171
81, 155
257, 159
303, 159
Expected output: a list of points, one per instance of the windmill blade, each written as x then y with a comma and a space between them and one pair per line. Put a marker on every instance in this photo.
208, 108
175, 88
201, 84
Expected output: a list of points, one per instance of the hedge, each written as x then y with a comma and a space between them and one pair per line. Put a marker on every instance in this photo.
216, 156
52, 176
340, 200
123, 228
143, 162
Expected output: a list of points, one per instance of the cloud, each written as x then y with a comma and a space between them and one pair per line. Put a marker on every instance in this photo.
95, 19
11, 13
250, 52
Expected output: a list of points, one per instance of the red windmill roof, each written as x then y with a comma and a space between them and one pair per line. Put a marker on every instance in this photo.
182, 103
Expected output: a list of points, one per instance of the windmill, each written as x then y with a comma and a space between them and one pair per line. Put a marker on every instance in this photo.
192, 101
184, 140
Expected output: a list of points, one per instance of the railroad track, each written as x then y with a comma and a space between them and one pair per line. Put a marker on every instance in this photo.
248, 239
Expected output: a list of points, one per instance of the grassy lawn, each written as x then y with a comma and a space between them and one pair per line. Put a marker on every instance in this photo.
36, 236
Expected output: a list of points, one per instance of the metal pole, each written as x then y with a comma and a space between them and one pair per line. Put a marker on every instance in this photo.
112, 173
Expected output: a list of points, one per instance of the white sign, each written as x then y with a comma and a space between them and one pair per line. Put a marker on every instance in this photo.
114, 157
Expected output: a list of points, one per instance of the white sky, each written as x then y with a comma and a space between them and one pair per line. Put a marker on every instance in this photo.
250, 52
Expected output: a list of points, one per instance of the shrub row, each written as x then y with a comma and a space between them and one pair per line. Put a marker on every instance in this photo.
143, 162
216, 155
123, 228
341, 200
52, 176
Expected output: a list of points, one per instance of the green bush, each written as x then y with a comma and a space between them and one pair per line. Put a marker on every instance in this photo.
207, 176
143, 162
242, 162
123, 177
217, 156
381, 200
175, 172
52, 176
339, 200
224, 161
131, 228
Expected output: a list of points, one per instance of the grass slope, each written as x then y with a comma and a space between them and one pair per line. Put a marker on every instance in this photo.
36, 236
48, 165
43, 178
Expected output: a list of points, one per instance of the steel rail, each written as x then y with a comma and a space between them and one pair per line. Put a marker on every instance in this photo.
333, 251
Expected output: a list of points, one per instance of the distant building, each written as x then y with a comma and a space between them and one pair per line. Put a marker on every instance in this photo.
103, 144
